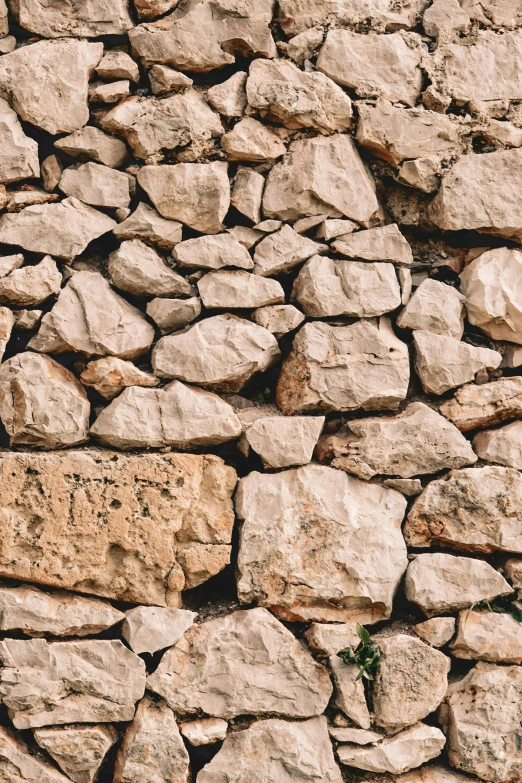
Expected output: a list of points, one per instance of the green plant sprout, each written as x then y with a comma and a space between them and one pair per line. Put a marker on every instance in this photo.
366, 656
499, 605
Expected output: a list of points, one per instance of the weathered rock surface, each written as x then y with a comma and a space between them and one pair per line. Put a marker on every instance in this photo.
7, 322
329, 638
9, 263
280, 570
110, 375
247, 194
96, 184
149, 9
443, 363
400, 753
349, 692
298, 15
78, 750
444, 19
435, 773
481, 406
488, 636
109, 93
118, 65
30, 285
282, 251
282, 442
140, 270
363, 365
212, 252
244, 663
165, 519
19, 153
172, 314
229, 97
251, 140
385, 243
17, 765
435, 307
441, 583
91, 143
278, 319
438, 631
230, 289
152, 628
147, 224
503, 445
205, 731
82, 20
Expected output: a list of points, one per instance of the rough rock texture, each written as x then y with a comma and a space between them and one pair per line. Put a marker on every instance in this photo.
400, 753
435, 307
138, 269
483, 406
78, 750
109, 376
19, 154
212, 252
147, 224
503, 445
172, 314
152, 628
282, 251
488, 636
285, 441
229, 289
329, 638
376, 244
17, 765
205, 731
83, 20
96, 184
31, 285
443, 363
438, 631
349, 692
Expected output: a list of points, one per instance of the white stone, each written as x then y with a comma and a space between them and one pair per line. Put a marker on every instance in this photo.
229, 97
400, 753
251, 140
247, 193
282, 251
205, 731
82, 20
278, 319
140, 270
152, 628
349, 692
10, 263
231, 289
303, 46
335, 227
96, 184
502, 446
212, 252
438, 631
376, 244
78, 750
172, 314
354, 736
110, 375
284, 441
118, 65
482, 406
435, 307
18, 152
488, 636
443, 363
147, 224
17, 765
90, 143
330, 638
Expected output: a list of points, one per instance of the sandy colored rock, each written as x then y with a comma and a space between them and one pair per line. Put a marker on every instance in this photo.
118, 65
329, 638
176, 415
229, 97
482, 406
435, 307
91, 143
438, 631
411, 681
435, 773
41, 403
221, 352
349, 692
321, 176
197, 194
109, 93
63, 230
282, 251
354, 736
140, 270
244, 663
386, 66
488, 636
164, 79
279, 89
212, 252
363, 365
10, 263
303, 46
19, 153
48, 683
327, 287
298, 15
46, 82
110, 375
19, 199
90, 317
17, 765
149, 9
376, 244
148, 225
246, 236
172, 314
278, 319
78, 750
230, 289
444, 19
251, 140
247, 193
400, 753
363, 537
443, 363
205, 731
152, 628
474, 509
282, 442
82, 20
96, 184
502, 446
407, 487
415, 442
51, 172
36, 613
7, 322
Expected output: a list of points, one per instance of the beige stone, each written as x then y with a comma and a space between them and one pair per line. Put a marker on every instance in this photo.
303, 46
246, 662
278, 319
164, 79
172, 314
247, 193
407, 487
7, 322
502, 446
110, 375
282, 442
438, 631
376, 244
329, 638
443, 363
229, 97
488, 636
96, 184
150, 524
109, 93
248, 237
231, 289
118, 65
19, 153
9, 263
349, 692
251, 140
148, 225
17, 765
19, 199
354, 736
400, 753
91, 143
422, 173
482, 406
78, 750
212, 252
298, 15
435, 307
152, 628
82, 20
334, 227
283, 250
205, 731
343, 368
444, 19
278, 571
140, 270
435, 773
504, 132
149, 9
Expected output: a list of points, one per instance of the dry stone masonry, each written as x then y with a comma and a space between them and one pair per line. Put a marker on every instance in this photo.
260, 391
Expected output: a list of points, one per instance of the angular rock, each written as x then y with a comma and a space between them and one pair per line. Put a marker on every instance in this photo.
244, 663
355, 736
407, 487
63, 230
329, 638
82, 20
386, 66
172, 314
90, 317
152, 628
474, 509
435, 307
138, 269
19, 199
503, 445
150, 523
303, 46
109, 93
344, 368
422, 173
19, 153
444, 19
17, 765
96, 184
435, 773
299, 15
504, 132
118, 65
229, 97
197, 194
278, 319
282, 442
164, 79
251, 140
482, 406
10, 263
46, 82
282, 251
221, 352
91, 143
78, 750
7, 322
36, 613
148, 225
321, 176
48, 683
443, 363
349, 692
327, 287
438, 631
247, 193
277, 570
109, 376
400, 753
149, 9
488, 636
205, 731
177, 415
279, 89
212, 252
41, 403
248, 237
230, 289
376, 244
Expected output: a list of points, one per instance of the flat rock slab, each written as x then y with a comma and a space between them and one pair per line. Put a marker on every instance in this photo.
17, 765
78, 750
145, 521
488, 636
481, 406
400, 753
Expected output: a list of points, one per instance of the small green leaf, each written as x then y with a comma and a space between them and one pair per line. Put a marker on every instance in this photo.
363, 634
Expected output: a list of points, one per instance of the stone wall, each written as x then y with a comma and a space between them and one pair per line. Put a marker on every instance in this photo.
260, 391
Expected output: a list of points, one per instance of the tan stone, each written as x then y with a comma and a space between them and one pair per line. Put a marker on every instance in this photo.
19, 199
231, 289
443, 363
7, 322
110, 375
212, 252
246, 662
229, 97
407, 487
438, 631
435, 307
172, 314
444, 19
329, 638
91, 143
27, 319
376, 244
284, 441
400, 753
147, 521
334, 227
504, 132
152, 628
251, 140
282, 251
140, 270
354, 736
109, 93
82, 20
164, 79
349, 692
278, 319
248, 237
502, 446
303, 46
118, 65
482, 406
17, 765
19, 153
96, 184
488, 636
435, 773
298, 15
247, 193
10, 263
205, 731
149, 9
78, 750
147, 224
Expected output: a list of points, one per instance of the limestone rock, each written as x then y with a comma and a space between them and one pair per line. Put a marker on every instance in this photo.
205, 731
78, 750
488, 636
282, 442
482, 406
48, 683
91, 143
46, 82
441, 583
63, 230
36, 613
354, 736
152, 628
19, 199
110, 375
474, 509
438, 631
148, 225
172, 314
251, 140
386, 66
410, 683
96, 184
212, 252
90, 317
138, 269
349, 692
246, 236
344, 368
282, 251
277, 571
149, 9
329, 638
415, 442
321, 176
197, 194
279, 89
109, 93
164, 79
19, 153
303, 46
504, 132
17, 765
221, 352
444, 19
201, 37
10, 263
443, 363
503, 445
229, 289
278, 319
247, 193
435, 307
118, 65
177, 415
150, 523
435, 773
334, 227
152, 747
244, 663
7, 322
275, 750
376, 244
152, 124
299, 15
407, 487
82, 20
229, 97
41, 403
400, 753
327, 287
